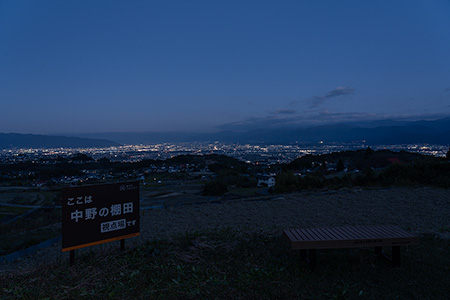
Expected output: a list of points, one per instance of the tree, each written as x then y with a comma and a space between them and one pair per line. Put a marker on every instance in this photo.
369, 152
81, 157
104, 161
286, 182
215, 188
340, 166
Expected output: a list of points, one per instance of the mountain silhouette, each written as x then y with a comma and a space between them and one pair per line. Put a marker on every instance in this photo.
15, 140
387, 132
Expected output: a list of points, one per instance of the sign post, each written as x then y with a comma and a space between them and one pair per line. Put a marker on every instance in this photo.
98, 214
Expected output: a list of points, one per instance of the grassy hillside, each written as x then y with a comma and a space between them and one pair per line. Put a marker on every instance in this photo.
228, 264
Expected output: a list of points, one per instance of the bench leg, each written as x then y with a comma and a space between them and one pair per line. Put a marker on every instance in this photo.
396, 256
310, 256
302, 254
312, 259
378, 250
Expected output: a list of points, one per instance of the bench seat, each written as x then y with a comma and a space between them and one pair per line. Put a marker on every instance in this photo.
380, 236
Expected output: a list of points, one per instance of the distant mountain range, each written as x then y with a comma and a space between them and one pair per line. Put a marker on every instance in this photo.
373, 133
15, 140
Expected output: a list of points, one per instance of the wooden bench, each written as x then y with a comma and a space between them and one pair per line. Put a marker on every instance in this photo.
313, 239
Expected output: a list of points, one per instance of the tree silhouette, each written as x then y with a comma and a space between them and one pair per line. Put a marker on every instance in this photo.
340, 166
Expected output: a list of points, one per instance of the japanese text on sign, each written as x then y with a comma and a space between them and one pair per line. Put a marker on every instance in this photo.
91, 213
99, 213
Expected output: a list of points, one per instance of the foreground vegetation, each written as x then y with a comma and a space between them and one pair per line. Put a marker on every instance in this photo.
22, 227
226, 177
231, 265
365, 168
39, 226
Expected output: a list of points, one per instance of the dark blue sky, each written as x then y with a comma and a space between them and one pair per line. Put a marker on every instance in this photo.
97, 66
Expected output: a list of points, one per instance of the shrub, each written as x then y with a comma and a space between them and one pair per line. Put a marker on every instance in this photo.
215, 188
286, 182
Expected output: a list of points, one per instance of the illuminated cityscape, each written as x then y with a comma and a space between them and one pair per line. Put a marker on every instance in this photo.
253, 154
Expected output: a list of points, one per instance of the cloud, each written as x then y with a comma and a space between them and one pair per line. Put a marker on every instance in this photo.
274, 119
284, 112
337, 92
306, 119
323, 117
326, 117
261, 122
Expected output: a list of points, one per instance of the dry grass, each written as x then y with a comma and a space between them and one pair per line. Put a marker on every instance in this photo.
227, 264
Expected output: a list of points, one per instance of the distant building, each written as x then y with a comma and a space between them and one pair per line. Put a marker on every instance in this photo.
39, 183
268, 181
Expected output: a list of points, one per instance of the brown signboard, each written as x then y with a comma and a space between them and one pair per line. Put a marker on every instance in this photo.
99, 214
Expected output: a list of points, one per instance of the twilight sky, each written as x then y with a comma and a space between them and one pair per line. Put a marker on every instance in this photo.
99, 66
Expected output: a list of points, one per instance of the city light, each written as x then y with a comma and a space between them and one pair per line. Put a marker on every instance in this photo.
261, 154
